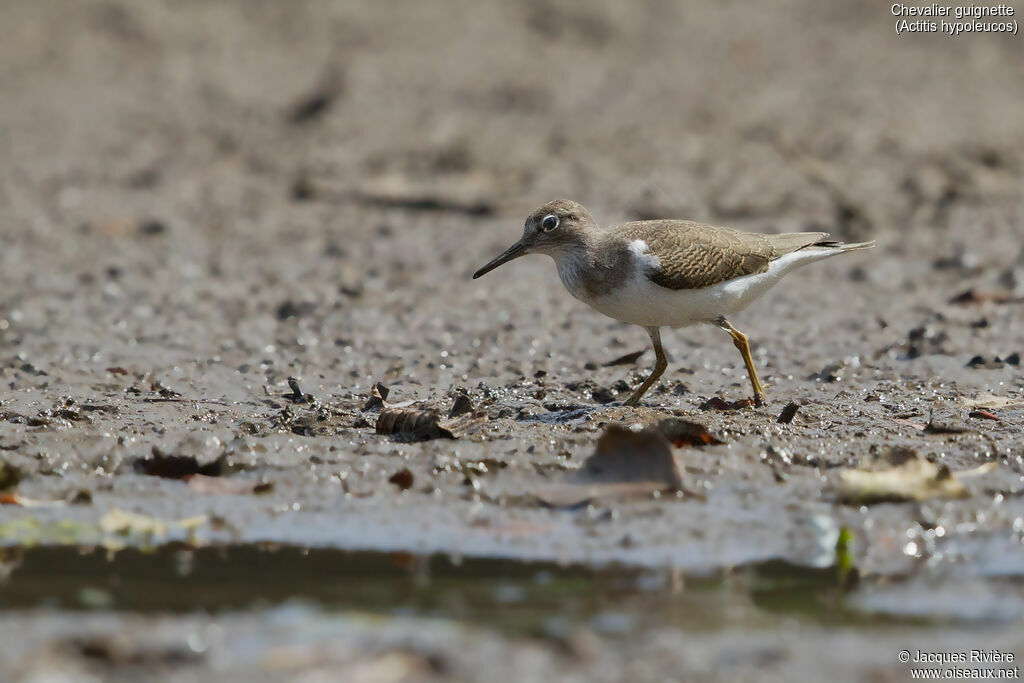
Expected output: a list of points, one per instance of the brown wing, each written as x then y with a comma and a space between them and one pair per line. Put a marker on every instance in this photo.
694, 255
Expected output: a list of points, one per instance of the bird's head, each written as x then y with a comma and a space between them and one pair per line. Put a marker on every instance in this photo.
551, 229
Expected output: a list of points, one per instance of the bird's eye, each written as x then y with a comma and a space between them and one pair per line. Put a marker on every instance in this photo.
549, 223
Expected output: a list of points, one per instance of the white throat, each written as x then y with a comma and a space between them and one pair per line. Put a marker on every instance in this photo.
569, 263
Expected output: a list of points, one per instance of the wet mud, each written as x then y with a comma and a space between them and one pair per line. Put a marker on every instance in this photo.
223, 225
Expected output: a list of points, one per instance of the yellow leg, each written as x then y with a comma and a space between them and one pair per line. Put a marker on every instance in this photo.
660, 363
740, 340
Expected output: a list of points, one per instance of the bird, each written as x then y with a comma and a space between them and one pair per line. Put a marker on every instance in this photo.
667, 273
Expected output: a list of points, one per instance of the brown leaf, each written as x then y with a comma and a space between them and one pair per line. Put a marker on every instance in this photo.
161, 464
9, 475
377, 400
461, 406
423, 424
625, 463
626, 359
686, 433
23, 501
403, 479
788, 413
974, 296
718, 403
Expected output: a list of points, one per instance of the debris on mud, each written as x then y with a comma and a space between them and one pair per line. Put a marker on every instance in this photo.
319, 420
915, 479
297, 396
625, 463
469, 193
833, 372
414, 424
24, 501
788, 413
124, 523
462, 405
9, 475
925, 340
946, 418
975, 296
403, 479
686, 433
980, 362
167, 466
991, 401
626, 359
983, 414
205, 484
117, 651
378, 398
313, 105
422, 422
908, 423
294, 309
719, 403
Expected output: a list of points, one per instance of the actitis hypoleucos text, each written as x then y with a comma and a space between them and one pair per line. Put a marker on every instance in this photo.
666, 273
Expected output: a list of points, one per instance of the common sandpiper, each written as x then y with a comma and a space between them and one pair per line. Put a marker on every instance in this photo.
666, 273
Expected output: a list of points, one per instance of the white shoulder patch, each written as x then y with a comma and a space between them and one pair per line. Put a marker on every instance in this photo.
639, 249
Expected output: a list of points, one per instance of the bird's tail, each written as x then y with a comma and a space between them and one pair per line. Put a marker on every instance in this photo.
833, 245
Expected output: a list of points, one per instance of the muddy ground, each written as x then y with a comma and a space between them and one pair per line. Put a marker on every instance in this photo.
200, 200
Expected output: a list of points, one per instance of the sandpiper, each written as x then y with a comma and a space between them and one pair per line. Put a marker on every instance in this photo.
666, 273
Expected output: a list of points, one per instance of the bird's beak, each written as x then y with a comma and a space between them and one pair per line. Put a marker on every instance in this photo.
515, 251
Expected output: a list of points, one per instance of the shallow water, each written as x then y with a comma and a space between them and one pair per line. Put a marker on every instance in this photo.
516, 597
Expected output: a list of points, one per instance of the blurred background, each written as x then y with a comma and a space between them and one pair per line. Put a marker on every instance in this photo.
206, 198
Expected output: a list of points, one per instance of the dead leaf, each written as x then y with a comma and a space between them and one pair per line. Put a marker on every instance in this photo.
201, 483
23, 501
626, 359
9, 475
423, 424
983, 414
992, 401
908, 423
718, 403
314, 104
472, 193
168, 466
297, 396
377, 400
975, 296
461, 406
916, 479
978, 471
118, 521
625, 463
788, 413
125, 651
685, 433
403, 479
946, 418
